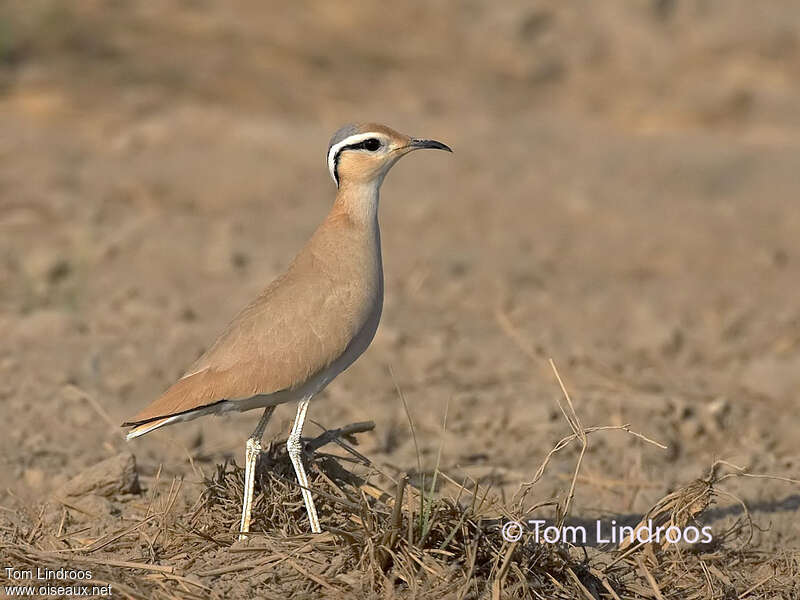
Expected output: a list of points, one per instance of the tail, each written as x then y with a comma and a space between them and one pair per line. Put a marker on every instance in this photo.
149, 426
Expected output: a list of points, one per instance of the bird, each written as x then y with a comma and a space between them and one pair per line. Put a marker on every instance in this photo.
308, 325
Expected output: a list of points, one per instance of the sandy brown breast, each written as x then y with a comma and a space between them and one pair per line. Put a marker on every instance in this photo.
327, 303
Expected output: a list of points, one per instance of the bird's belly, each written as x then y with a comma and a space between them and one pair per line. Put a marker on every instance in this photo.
317, 382
354, 349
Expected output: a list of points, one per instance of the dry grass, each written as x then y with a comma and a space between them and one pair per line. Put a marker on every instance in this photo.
385, 538
373, 547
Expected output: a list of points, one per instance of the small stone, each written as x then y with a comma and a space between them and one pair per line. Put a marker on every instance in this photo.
115, 475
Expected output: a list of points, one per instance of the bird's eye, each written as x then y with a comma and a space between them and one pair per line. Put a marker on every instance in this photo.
372, 144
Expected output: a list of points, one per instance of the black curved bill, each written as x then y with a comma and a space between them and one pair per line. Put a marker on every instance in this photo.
433, 144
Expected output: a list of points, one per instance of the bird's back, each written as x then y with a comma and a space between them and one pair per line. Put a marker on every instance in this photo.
322, 311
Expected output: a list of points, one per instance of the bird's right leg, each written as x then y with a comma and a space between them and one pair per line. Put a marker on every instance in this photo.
251, 454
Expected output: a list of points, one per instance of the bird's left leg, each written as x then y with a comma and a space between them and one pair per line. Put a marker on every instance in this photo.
252, 451
295, 448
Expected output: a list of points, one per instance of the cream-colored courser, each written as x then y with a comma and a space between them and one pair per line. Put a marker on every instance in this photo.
308, 325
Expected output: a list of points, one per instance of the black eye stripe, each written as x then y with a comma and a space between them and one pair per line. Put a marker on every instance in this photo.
371, 145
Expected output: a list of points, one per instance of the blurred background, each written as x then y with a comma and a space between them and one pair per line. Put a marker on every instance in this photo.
622, 198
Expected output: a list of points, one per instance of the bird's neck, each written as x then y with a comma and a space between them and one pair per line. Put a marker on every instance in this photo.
359, 201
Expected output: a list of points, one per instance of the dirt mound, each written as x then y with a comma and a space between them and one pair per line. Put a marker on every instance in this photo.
381, 537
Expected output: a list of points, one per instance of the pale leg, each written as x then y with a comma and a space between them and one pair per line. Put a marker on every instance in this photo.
251, 453
295, 448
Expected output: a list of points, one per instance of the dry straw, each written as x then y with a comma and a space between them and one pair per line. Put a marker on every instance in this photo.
386, 538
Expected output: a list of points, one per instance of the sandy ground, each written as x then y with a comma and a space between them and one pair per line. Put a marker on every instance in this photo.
622, 198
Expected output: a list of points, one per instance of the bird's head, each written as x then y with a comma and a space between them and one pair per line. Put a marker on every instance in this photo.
364, 153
